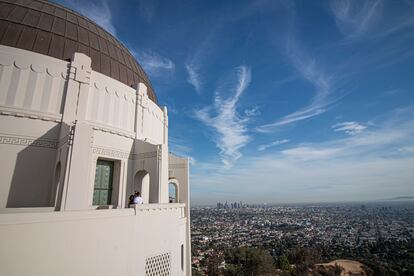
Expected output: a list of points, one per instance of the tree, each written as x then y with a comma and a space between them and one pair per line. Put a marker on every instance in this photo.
213, 261
249, 262
283, 263
338, 269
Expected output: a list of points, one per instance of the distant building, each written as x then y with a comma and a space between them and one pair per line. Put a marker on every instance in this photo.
80, 131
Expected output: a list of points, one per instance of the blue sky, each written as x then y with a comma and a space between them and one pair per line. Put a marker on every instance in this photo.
279, 101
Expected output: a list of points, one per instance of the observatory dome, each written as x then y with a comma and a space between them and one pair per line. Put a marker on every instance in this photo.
50, 29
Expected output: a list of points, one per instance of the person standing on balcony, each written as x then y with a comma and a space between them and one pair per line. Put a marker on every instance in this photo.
138, 198
131, 198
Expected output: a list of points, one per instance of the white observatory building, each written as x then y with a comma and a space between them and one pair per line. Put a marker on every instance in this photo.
80, 131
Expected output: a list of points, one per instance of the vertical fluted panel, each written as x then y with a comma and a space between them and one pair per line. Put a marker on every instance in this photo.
111, 103
5, 79
31, 83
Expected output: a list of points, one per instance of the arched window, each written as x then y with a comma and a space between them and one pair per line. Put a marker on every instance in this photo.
173, 192
142, 184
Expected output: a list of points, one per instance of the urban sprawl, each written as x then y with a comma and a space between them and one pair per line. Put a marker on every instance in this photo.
337, 230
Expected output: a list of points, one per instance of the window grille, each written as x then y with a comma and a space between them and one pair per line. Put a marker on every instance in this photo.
159, 265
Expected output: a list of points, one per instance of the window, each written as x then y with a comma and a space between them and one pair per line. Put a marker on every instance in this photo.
172, 192
182, 257
142, 184
102, 193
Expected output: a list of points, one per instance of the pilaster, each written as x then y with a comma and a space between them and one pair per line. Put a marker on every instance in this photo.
76, 194
165, 138
77, 89
141, 106
163, 173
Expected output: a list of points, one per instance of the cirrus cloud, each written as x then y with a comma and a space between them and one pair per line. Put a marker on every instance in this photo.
351, 128
222, 117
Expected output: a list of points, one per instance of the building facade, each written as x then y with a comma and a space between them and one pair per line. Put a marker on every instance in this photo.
80, 131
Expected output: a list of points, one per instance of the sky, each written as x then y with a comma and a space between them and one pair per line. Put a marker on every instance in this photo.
279, 101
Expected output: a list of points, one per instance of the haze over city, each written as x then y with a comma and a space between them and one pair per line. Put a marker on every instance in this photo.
279, 101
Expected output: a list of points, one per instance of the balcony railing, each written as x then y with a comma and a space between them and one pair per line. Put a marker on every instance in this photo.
33, 215
159, 207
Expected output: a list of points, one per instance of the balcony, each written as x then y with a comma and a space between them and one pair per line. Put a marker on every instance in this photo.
92, 242
46, 214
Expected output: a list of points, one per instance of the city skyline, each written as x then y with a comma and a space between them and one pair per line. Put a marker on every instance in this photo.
279, 101
372, 233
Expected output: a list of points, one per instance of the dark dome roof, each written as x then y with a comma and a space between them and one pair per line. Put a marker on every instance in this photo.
56, 31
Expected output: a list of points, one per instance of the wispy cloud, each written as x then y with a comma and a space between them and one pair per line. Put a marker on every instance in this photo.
172, 108
360, 167
355, 18
147, 10
312, 72
193, 76
229, 127
250, 112
386, 40
374, 141
272, 144
285, 80
392, 92
180, 147
286, 179
98, 12
197, 58
401, 24
351, 128
154, 63
310, 153
408, 149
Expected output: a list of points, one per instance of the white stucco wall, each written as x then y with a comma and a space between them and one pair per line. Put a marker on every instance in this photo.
44, 99
57, 119
32, 92
178, 171
99, 242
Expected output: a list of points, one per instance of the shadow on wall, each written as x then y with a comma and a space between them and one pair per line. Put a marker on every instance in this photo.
32, 181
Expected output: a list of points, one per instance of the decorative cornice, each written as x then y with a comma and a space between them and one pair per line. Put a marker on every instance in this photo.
121, 93
28, 141
111, 153
177, 166
122, 154
112, 131
21, 63
144, 155
21, 113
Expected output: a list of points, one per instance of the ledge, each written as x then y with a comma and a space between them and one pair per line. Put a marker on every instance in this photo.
159, 206
44, 215
26, 210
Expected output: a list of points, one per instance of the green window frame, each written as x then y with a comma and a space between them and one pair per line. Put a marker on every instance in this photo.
104, 173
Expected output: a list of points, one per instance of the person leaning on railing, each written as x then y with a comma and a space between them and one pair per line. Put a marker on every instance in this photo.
138, 198
135, 199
